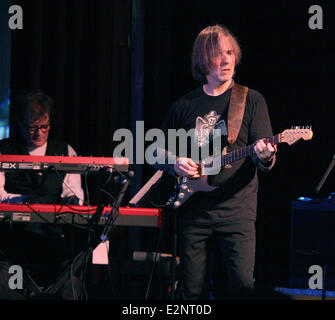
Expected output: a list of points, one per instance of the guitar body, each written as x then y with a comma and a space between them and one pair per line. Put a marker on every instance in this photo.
186, 188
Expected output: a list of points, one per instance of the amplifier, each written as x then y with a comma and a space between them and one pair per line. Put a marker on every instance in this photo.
312, 241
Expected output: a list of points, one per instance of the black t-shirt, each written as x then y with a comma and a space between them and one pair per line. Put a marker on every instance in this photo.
236, 196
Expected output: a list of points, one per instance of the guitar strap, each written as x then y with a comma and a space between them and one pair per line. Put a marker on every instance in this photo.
236, 111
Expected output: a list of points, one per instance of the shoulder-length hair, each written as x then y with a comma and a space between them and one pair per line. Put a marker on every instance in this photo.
206, 48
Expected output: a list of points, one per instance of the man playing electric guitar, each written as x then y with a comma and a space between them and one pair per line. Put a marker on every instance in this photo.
228, 213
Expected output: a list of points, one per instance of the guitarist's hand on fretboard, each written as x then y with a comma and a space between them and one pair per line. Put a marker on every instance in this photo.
186, 167
265, 151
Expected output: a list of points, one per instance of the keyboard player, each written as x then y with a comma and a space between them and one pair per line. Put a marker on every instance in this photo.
33, 115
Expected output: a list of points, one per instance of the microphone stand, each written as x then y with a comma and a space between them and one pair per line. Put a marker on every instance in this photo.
323, 179
83, 256
113, 215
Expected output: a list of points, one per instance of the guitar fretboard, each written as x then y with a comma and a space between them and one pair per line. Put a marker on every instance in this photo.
244, 152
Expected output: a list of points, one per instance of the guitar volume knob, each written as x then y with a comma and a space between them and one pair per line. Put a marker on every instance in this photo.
181, 195
176, 204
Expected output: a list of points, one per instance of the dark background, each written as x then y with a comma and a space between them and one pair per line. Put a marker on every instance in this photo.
108, 63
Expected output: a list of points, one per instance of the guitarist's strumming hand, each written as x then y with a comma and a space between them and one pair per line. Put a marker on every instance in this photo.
186, 167
265, 151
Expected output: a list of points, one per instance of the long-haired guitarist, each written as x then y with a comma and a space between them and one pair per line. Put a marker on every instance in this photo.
226, 214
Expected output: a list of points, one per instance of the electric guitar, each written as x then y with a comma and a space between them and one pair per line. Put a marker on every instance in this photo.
185, 188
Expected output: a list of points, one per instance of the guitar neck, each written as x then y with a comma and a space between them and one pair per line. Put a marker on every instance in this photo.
244, 152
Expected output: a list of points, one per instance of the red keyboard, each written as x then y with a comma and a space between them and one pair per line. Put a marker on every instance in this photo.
60, 214
9, 162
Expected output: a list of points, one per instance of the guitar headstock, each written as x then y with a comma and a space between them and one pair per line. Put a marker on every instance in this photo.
291, 136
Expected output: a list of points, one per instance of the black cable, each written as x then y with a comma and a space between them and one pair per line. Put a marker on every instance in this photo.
74, 224
35, 212
105, 191
110, 277
111, 226
117, 213
156, 258
109, 177
110, 222
120, 173
87, 255
84, 277
160, 205
168, 203
109, 194
59, 216
71, 276
84, 202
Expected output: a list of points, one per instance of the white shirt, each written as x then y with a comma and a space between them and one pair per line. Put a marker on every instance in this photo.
71, 184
